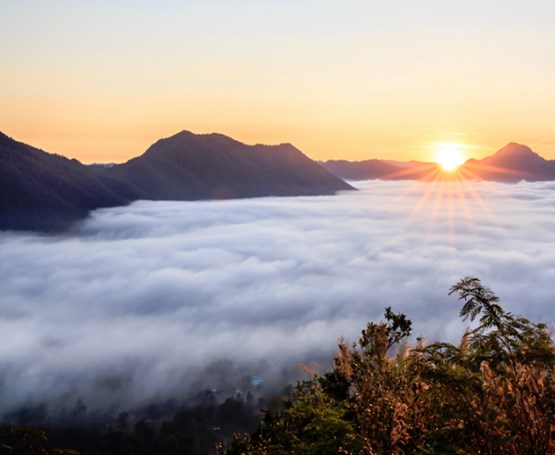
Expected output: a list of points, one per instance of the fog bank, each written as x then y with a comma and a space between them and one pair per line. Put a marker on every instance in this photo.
138, 301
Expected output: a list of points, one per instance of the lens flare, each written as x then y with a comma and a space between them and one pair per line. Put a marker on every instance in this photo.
449, 155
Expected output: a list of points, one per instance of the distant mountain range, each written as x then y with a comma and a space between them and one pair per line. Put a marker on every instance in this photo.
512, 163
43, 191
381, 169
48, 192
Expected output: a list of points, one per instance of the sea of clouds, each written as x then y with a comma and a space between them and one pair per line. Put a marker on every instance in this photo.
158, 299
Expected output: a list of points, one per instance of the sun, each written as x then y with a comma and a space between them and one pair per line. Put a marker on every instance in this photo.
449, 155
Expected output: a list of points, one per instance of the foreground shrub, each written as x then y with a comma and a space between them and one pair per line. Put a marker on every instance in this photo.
492, 394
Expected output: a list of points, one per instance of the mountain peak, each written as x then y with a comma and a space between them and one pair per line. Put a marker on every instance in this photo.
188, 166
187, 140
5, 139
186, 134
515, 155
514, 149
513, 163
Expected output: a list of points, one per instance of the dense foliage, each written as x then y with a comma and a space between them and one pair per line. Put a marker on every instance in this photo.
193, 430
493, 393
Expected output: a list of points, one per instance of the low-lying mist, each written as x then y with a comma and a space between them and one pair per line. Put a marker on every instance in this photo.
165, 299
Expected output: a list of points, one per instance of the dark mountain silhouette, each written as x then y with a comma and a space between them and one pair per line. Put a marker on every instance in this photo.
381, 169
43, 191
360, 170
512, 163
213, 166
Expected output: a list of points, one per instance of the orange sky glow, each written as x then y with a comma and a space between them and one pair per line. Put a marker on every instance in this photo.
101, 81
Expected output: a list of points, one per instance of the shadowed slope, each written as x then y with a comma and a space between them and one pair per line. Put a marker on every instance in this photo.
188, 166
43, 191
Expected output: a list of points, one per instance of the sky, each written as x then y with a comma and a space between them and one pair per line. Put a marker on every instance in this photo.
140, 302
101, 80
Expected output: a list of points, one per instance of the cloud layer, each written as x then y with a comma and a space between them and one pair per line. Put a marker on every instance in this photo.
142, 302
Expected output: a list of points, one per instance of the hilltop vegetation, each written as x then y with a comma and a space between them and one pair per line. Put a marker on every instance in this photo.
494, 393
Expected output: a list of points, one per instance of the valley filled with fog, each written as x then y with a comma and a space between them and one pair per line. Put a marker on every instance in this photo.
165, 299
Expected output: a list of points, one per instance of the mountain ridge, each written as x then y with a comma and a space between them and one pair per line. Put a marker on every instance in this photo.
512, 163
38, 188
48, 192
187, 166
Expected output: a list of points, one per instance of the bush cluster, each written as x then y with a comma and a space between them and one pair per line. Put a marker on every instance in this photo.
491, 394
